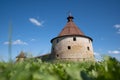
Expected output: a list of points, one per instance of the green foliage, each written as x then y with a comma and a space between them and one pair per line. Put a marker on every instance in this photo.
109, 69
31, 69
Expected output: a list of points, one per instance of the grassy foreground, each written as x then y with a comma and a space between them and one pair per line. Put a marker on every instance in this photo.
108, 69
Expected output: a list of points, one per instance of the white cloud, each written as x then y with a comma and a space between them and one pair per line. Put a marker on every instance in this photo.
114, 52
118, 31
33, 40
98, 56
6, 43
117, 26
35, 22
17, 42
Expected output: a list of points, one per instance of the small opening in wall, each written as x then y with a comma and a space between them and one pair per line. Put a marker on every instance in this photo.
57, 55
88, 48
74, 38
53, 48
69, 47
57, 40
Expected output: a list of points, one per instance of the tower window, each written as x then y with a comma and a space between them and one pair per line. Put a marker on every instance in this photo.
74, 38
57, 55
88, 48
69, 47
53, 48
57, 40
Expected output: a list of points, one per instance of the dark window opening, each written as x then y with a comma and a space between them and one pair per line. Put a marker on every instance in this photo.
57, 55
74, 38
57, 40
53, 48
88, 48
69, 47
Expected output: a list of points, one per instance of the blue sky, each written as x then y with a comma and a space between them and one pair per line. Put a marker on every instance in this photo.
36, 22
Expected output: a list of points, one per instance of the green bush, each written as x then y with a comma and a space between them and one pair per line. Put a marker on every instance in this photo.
108, 69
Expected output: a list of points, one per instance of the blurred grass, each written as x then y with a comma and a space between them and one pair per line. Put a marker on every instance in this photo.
31, 69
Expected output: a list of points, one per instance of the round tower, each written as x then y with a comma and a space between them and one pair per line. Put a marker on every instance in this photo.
72, 44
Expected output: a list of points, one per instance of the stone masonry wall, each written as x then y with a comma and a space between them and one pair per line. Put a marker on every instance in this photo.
72, 48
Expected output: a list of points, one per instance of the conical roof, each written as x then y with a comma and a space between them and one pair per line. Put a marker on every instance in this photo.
70, 28
21, 55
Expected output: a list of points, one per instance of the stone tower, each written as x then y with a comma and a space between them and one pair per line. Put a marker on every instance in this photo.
72, 44
20, 57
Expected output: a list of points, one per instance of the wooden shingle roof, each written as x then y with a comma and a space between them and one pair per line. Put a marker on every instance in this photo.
70, 28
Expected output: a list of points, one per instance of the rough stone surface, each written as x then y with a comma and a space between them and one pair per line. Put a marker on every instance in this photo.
80, 50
